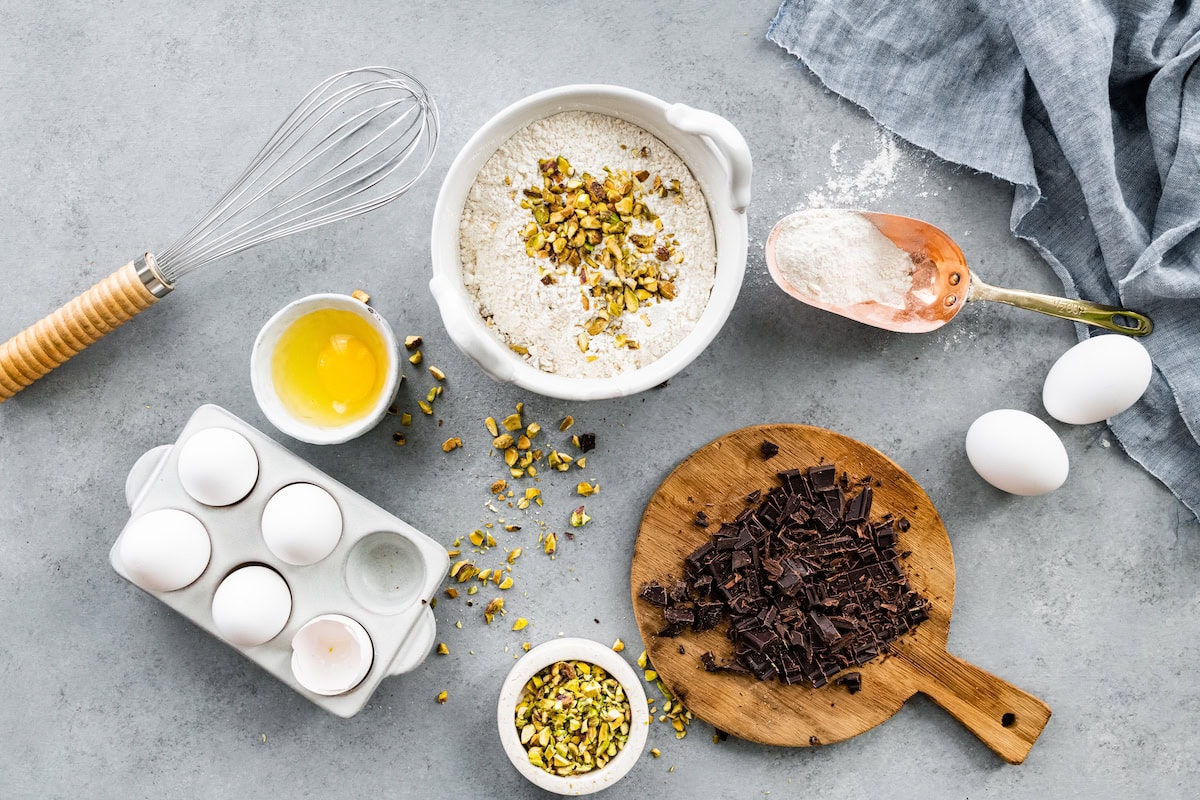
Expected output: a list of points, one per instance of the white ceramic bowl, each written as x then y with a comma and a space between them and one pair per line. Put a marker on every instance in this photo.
713, 150
264, 386
534, 662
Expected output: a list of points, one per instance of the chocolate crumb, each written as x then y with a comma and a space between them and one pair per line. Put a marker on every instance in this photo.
682, 651
587, 442
814, 741
701, 519
769, 449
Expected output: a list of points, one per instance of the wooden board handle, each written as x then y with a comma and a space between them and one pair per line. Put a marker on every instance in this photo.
1005, 718
46, 344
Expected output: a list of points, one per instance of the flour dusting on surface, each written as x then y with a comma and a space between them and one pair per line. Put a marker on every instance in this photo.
870, 182
542, 308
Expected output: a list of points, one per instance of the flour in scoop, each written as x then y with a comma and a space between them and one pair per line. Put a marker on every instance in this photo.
839, 258
587, 246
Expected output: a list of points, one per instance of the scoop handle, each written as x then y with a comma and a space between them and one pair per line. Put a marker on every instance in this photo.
46, 344
1110, 318
1005, 718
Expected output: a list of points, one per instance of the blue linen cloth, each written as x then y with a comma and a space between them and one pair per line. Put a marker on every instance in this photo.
1092, 110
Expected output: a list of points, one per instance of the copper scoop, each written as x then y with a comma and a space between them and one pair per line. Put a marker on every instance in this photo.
942, 283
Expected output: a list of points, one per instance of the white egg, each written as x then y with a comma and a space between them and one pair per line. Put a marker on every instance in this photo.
251, 606
1097, 379
217, 466
301, 524
1017, 452
164, 550
331, 654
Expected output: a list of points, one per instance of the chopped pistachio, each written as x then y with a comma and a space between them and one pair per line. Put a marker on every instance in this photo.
520, 624
499, 486
507, 583
412, 342
361, 296
550, 544
642, 661
406, 418
503, 441
493, 608
512, 422
432, 394
437, 374
586, 489
453, 443
476, 538
415, 358
579, 518
442, 697
618, 646
490, 424
513, 555
654, 751
525, 646
425, 407
472, 590
566, 423
533, 430
442, 649
451, 592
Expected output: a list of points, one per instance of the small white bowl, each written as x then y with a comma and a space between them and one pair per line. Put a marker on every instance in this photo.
264, 386
534, 662
710, 146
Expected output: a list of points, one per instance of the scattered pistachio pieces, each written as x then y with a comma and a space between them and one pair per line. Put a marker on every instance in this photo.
520, 624
490, 424
406, 418
512, 422
437, 373
415, 358
513, 555
443, 649
453, 443
412, 342
618, 646
579, 518
507, 583
572, 718
451, 592
499, 486
525, 646
642, 660
503, 442
550, 544
425, 407
566, 423
654, 751
586, 489
361, 296
442, 697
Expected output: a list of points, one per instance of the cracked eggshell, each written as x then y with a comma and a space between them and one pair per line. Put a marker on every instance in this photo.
1017, 452
1096, 379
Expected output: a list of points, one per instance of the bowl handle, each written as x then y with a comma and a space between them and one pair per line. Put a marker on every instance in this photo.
725, 141
486, 351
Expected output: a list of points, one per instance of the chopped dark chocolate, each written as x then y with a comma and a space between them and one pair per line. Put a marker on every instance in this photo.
701, 519
769, 449
808, 585
587, 442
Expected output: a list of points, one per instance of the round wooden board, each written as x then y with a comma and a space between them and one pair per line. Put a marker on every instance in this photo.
716, 479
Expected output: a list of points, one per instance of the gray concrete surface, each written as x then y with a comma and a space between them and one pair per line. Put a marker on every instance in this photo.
122, 121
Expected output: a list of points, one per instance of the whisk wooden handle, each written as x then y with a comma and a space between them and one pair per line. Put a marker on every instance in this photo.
46, 344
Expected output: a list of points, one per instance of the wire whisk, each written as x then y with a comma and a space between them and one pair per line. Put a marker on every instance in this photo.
357, 141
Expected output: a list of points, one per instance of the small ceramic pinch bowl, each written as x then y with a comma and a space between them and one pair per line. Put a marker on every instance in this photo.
592, 652
715, 153
264, 386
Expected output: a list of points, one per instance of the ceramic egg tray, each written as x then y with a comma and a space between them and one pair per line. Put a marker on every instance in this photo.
382, 573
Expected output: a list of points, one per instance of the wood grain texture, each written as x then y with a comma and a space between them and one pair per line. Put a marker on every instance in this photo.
716, 479
46, 344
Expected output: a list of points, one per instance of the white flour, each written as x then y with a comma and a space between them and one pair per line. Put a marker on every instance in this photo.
547, 320
869, 183
839, 258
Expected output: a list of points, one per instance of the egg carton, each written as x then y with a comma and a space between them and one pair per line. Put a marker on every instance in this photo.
382, 573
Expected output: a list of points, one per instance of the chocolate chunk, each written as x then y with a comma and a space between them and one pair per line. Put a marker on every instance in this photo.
769, 449
587, 442
709, 662
754, 496
852, 681
701, 519
679, 615
654, 593
823, 477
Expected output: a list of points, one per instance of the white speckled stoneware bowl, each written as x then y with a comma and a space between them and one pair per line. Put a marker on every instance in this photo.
534, 662
713, 150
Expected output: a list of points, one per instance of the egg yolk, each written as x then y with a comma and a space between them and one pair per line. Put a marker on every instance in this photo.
346, 368
329, 367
